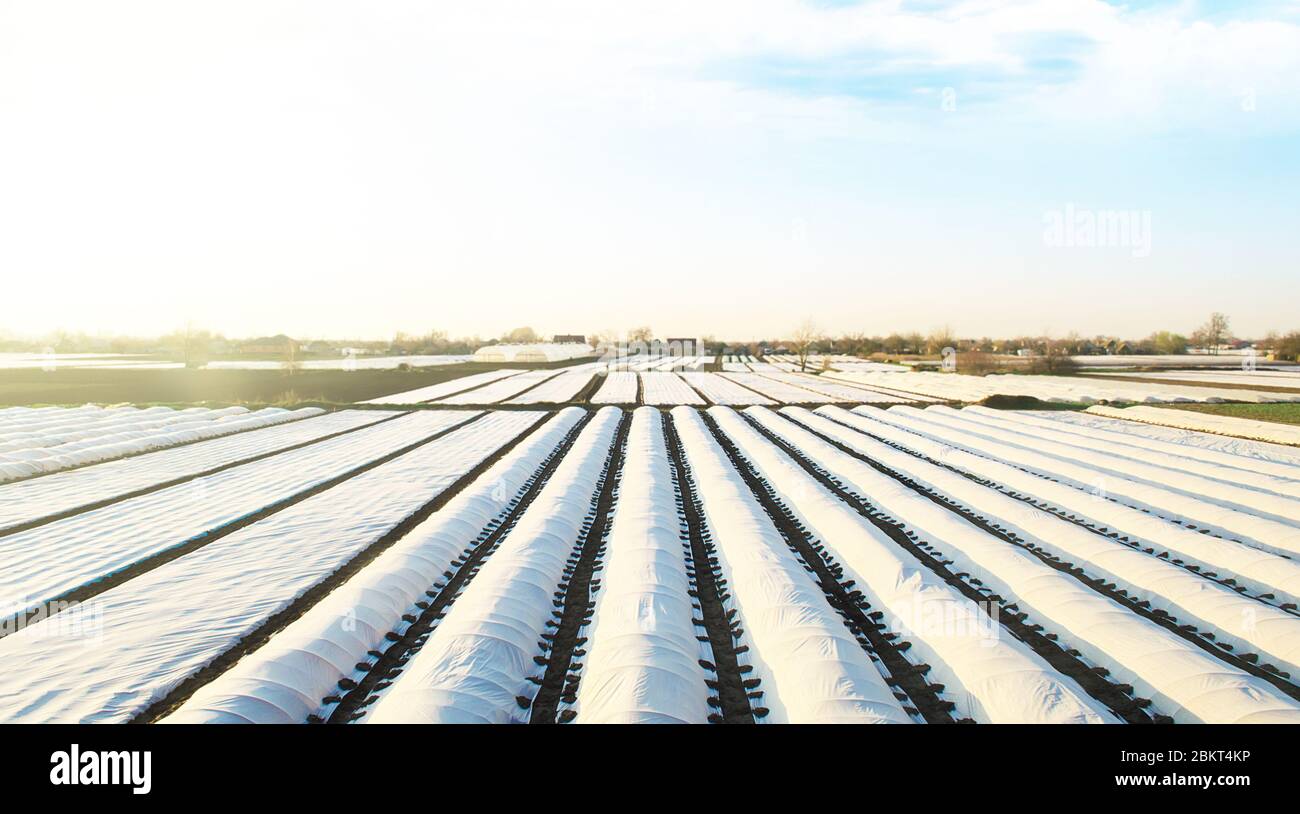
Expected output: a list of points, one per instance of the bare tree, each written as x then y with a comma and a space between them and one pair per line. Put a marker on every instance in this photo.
641, 334
1213, 333
520, 336
803, 340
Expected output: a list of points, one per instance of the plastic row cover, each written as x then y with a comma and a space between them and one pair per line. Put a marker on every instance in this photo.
31, 500
721, 390
23, 419
501, 389
1259, 571
476, 664
286, 680
667, 388
1269, 431
562, 388
778, 391
1072, 466
619, 387
1283, 478
100, 542
1182, 680
1276, 459
810, 668
1220, 484
990, 678
955, 387
1247, 624
443, 389
79, 426
643, 662
157, 629
114, 449
833, 390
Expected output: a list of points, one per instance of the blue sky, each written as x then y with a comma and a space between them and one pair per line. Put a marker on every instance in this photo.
725, 168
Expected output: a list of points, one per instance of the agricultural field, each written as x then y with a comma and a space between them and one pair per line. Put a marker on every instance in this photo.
437, 560
1072, 389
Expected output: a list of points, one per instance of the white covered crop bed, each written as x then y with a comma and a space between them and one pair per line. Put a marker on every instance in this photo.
1245, 623
30, 500
52, 559
721, 390
643, 662
810, 667
44, 440
503, 389
1182, 679
478, 661
437, 391
835, 391
619, 387
1261, 572
1264, 453
990, 678
1250, 378
1086, 389
666, 389
561, 389
767, 564
1269, 431
778, 391
162, 626
1224, 360
1267, 521
287, 680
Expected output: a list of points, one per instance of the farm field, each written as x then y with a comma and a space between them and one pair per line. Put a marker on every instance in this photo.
1085, 389
745, 563
45, 440
225, 387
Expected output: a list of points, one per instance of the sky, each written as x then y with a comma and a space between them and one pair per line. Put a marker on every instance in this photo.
726, 168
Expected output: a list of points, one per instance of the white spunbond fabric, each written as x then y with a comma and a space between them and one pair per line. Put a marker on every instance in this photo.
1242, 466
30, 500
436, 391
45, 461
1269, 431
501, 389
810, 668
1079, 470
564, 387
619, 387
959, 387
152, 632
778, 391
643, 655
74, 431
1256, 492
1248, 625
478, 660
831, 390
990, 677
49, 560
666, 389
1181, 680
286, 680
721, 390
1261, 572
1272, 458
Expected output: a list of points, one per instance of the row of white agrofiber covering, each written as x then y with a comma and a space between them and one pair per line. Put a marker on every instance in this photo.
139, 640
44, 440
